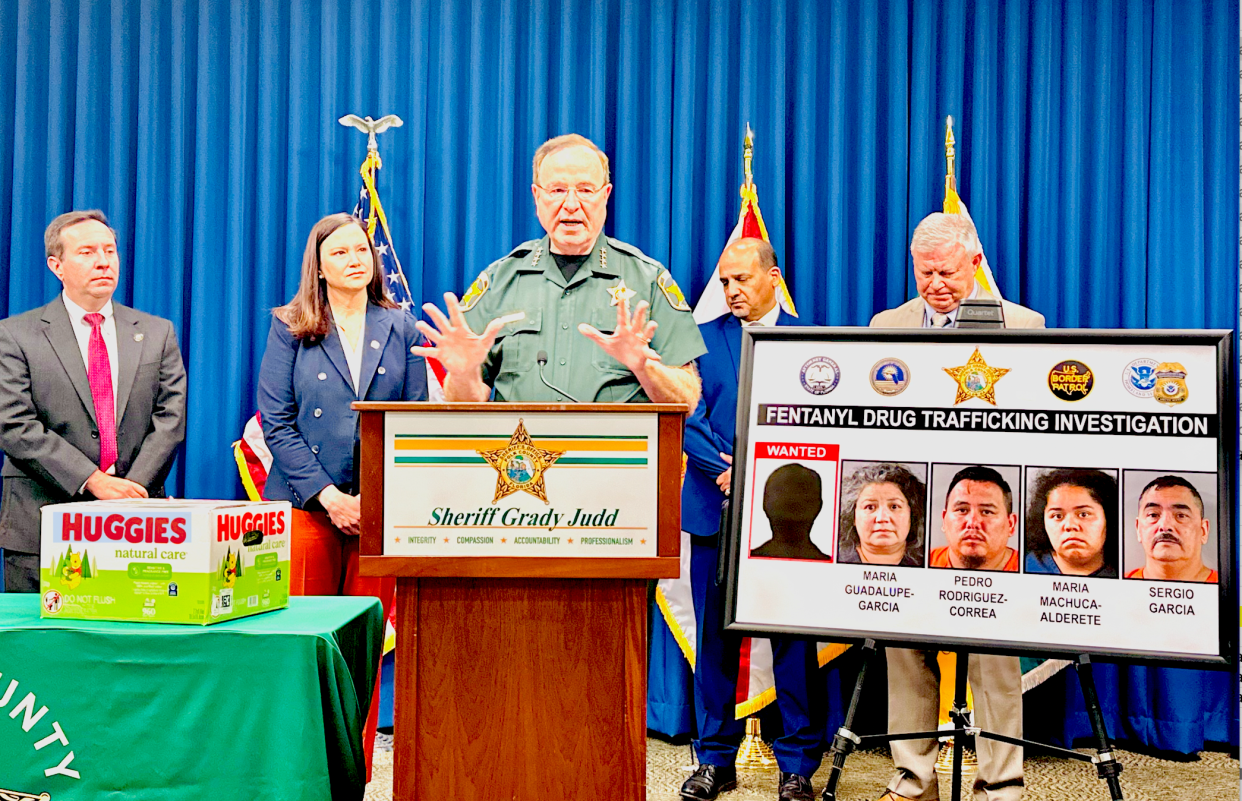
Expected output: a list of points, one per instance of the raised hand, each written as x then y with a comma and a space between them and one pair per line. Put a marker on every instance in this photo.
630, 342
460, 350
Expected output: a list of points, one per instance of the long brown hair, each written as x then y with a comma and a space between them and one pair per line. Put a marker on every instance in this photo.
308, 315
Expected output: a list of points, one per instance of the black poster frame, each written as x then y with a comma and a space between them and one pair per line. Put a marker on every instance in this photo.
1227, 461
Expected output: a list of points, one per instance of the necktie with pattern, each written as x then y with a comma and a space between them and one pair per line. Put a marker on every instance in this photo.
939, 320
99, 374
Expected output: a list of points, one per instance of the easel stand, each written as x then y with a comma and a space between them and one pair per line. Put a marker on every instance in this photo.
845, 740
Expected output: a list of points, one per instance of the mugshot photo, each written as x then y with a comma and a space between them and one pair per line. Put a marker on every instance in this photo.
883, 518
1169, 526
973, 519
1073, 522
795, 510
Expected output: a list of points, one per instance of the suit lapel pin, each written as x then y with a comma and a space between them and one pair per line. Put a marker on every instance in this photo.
139, 337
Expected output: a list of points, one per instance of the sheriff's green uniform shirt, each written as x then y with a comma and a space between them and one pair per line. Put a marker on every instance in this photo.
528, 281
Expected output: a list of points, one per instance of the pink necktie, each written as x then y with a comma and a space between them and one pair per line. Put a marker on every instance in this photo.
99, 374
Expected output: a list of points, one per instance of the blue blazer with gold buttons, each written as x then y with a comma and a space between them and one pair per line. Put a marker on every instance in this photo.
305, 392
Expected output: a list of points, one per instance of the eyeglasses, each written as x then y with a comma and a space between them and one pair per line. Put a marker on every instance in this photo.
585, 192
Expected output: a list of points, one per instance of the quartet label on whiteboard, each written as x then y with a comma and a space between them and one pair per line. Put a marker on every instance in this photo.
1050, 492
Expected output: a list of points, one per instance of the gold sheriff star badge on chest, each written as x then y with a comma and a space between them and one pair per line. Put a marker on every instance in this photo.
620, 293
975, 379
520, 465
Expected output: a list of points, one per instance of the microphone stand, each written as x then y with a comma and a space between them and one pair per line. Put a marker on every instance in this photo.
542, 359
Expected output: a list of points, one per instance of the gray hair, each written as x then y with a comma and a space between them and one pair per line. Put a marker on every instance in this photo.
563, 142
938, 229
52, 245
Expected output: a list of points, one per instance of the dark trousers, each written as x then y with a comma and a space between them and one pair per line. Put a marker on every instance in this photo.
21, 571
800, 690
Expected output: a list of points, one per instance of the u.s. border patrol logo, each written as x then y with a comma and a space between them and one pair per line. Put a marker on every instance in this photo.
1139, 377
476, 291
1070, 380
1171, 383
672, 292
820, 375
890, 376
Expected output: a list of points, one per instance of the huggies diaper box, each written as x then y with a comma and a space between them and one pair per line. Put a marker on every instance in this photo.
164, 561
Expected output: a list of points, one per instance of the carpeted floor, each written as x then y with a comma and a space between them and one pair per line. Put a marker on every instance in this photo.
1214, 777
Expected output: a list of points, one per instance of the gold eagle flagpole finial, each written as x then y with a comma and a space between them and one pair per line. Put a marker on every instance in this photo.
950, 156
748, 155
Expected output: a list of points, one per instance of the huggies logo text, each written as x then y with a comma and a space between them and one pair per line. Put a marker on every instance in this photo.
76, 527
232, 527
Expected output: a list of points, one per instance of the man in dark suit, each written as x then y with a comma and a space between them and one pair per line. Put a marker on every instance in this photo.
750, 276
92, 394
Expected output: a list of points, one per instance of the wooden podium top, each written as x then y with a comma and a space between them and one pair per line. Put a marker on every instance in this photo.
664, 562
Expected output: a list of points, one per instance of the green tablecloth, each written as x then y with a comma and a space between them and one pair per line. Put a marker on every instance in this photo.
270, 706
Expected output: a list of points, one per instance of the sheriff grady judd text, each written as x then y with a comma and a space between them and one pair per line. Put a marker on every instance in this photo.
45, 735
516, 518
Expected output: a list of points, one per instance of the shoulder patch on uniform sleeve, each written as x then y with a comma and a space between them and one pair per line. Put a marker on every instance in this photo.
477, 290
672, 292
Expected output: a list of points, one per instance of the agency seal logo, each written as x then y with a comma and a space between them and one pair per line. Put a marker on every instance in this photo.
520, 465
976, 379
1139, 377
820, 375
1171, 383
890, 376
1070, 380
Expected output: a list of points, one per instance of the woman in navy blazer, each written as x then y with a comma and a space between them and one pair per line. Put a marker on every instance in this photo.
338, 340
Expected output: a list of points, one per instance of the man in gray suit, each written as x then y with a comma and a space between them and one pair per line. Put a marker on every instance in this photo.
92, 394
946, 252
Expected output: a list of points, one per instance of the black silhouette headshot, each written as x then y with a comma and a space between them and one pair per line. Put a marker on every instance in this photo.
792, 499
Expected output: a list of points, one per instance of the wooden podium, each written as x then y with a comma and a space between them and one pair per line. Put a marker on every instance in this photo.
519, 675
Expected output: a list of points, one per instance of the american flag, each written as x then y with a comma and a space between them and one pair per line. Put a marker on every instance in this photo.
370, 212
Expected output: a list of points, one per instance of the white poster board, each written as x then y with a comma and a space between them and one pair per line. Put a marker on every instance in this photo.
884, 459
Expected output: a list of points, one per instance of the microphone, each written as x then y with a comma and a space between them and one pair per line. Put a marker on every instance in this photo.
542, 358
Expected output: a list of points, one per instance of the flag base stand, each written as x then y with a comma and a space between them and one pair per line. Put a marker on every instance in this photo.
754, 753
845, 741
944, 759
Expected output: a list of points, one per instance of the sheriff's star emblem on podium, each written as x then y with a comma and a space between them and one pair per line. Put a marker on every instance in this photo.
520, 465
975, 379
620, 293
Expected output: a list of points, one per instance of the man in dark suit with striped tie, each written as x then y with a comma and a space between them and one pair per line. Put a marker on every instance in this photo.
92, 394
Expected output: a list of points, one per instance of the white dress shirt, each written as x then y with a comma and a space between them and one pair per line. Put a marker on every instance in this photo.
82, 330
769, 318
928, 311
353, 353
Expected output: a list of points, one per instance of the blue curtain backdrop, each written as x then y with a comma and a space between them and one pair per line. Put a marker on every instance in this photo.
1098, 149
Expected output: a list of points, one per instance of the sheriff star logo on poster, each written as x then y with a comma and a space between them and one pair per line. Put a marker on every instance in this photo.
976, 379
520, 465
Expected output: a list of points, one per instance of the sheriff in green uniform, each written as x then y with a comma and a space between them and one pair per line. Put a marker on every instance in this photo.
568, 297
